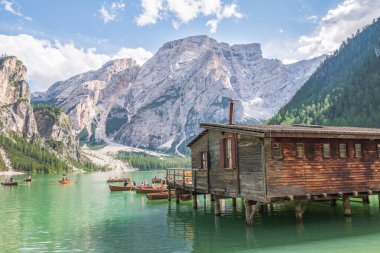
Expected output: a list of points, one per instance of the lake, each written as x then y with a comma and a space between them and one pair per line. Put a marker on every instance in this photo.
44, 216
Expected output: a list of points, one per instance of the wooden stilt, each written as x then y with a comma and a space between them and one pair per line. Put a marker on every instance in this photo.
346, 206
195, 201
300, 207
250, 210
333, 202
177, 197
366, 200
234, 203
217, 205
212, 197
169, 194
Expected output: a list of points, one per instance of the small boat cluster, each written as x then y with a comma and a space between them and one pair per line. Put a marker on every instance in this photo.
156, 191
11, 181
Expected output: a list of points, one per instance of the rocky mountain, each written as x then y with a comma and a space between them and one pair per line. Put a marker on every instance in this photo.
16, 113
160, 104
18, 117
345, 89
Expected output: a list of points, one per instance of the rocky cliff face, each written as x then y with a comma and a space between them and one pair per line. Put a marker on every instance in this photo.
16, 113
90, 97
187, 81
55, 128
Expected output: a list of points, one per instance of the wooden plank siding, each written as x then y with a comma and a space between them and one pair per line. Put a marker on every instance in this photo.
313, 174
251, 173
200, 177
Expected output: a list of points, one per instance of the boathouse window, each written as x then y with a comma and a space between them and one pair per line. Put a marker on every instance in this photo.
276, 150
326, 150
228, 150
343, 150
358, 150
300, 150
203, 160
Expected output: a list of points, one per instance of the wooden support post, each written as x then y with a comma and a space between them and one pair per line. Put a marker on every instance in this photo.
346, 206
217, 205
212, 197
250, 209
366, 200
169, 194
300, 207
177, 197
234, 203
195, 201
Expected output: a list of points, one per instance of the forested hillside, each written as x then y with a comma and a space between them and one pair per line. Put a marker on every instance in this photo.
345, 89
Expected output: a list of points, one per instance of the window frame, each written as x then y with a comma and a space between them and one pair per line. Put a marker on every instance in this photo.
204, 161
340, 151
274, 156
302, 146
356, 151
324, 150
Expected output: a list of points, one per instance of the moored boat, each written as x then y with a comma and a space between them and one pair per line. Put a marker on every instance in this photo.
116, 188
10, 183
146, 190
118, 180
185, 197
28, 179
158, 195
64, 181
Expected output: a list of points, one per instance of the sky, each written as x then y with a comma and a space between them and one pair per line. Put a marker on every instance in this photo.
59, 39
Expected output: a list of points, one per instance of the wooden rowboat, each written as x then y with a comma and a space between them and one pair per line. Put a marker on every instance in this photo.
158, 195
10, 183
67, 181
27, 180
119, 180
118, 188
185, 197
146, 190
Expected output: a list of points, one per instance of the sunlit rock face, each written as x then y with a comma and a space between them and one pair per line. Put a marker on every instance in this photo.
16, 113
160, 104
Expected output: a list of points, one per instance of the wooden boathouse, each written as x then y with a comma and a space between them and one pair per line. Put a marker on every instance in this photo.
265, 164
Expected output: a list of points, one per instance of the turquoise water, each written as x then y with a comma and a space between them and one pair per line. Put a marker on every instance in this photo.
44, 216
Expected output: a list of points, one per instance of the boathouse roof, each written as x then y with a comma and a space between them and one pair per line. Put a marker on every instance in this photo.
295, 131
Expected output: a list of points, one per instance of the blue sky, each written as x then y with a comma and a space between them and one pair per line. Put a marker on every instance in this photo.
57, 39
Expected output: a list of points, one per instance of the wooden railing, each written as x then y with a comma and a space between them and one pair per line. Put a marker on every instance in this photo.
180, 177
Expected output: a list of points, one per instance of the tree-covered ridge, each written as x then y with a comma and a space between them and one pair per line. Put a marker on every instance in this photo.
143, 161
49, 110
345, 89
30, 156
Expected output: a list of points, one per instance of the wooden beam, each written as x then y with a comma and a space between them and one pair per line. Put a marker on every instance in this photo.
250, 210
355, 194
217, 205
234, 203
300, 207
346, 206
195, 200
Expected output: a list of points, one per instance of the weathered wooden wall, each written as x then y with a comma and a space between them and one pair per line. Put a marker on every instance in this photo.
246, 181
221, 180
315, 174
200, 176
251, 172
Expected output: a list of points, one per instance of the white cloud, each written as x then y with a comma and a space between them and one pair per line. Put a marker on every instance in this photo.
313, 18
8, 6
49, 62
186, 10
112, 12
332, 29
338, 24
151, 12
